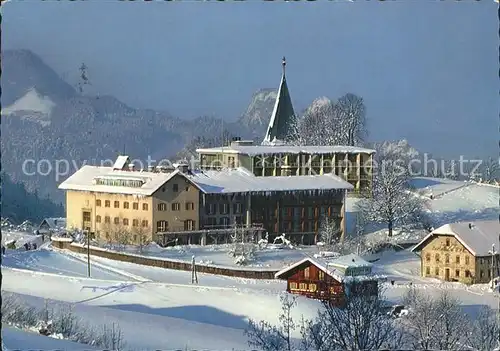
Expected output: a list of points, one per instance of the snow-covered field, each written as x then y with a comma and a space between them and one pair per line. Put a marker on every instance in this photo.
160, 309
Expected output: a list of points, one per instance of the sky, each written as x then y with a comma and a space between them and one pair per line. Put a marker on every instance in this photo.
427, 70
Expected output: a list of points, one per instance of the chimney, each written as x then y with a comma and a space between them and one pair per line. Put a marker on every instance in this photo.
131, 167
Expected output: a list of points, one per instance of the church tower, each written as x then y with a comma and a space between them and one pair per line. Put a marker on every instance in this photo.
281, 124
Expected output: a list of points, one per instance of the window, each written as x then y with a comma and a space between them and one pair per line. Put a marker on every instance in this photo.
98, 219
237, 208
145, 223
175, 188
107, 203
135, 222
98, 203
321, 275
466, 259
447, 242
117, 220
224, 221
117, 204
481, 273
189, 206
428, 257
303, 286
457, 259
223, 208
211, 209
144, 207
481, 261
427, 270
447, 258
86, 216
189, 224
162, 207
457, 273
135, 205
176, 206
467, 273
436, 271
437, 258
135, 237
162, 189
125, 205
125, 221
306, 273
161, 226
293, 286
187, 187
107, 219
312, 287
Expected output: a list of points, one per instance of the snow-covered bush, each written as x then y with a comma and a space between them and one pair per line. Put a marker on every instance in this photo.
59, 322
283, 241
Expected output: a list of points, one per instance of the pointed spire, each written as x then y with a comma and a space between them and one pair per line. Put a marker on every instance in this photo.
283, 114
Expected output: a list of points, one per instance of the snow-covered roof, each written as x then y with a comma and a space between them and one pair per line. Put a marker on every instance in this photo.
59, 222
477, 237
84, 180
255, 150
281, 120
350, 260
240, 180
329, 267
121, 162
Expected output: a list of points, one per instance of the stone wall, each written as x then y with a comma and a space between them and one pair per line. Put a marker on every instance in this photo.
165, 263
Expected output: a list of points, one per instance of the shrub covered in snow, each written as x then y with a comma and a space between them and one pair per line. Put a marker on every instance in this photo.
59, 321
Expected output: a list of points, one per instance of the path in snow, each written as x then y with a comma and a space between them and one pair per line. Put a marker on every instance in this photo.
49, 261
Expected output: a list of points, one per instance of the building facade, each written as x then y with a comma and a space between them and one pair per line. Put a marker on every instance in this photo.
186, 206
330, 281
461, 252
276, 156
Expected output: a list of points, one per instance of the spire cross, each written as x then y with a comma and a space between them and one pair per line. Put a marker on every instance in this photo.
283, 62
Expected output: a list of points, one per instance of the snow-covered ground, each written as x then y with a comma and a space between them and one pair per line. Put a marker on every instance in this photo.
272, 257
16, 339
158, 308
20, 237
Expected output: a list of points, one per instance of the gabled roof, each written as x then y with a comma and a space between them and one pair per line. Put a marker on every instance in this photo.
84, 180
280, 124
121, 162
54, 223
329, 267
240, 180
477, 237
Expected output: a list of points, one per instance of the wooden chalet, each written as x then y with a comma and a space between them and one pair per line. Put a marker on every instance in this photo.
330, 280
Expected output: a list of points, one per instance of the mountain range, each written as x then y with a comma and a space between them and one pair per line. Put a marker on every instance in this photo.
45, 118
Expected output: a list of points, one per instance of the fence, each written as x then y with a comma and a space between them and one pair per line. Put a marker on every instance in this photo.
67, 244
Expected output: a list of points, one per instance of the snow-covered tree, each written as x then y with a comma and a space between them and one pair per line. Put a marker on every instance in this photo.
485, 330
331, 123
435, 323
242, 248
393, 201
490, 170
141, 236
359, 325
329, 233
267, 337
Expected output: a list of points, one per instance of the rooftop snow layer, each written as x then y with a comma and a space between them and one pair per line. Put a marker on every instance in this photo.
83, 180
254, 150
478, 237
240, 180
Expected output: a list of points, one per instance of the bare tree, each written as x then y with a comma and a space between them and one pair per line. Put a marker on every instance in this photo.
490, 170
242, 248
267, 337
351, 112
359, 325
485, 330
393, 199
121, 235
435, 323
329, 233
141, 236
